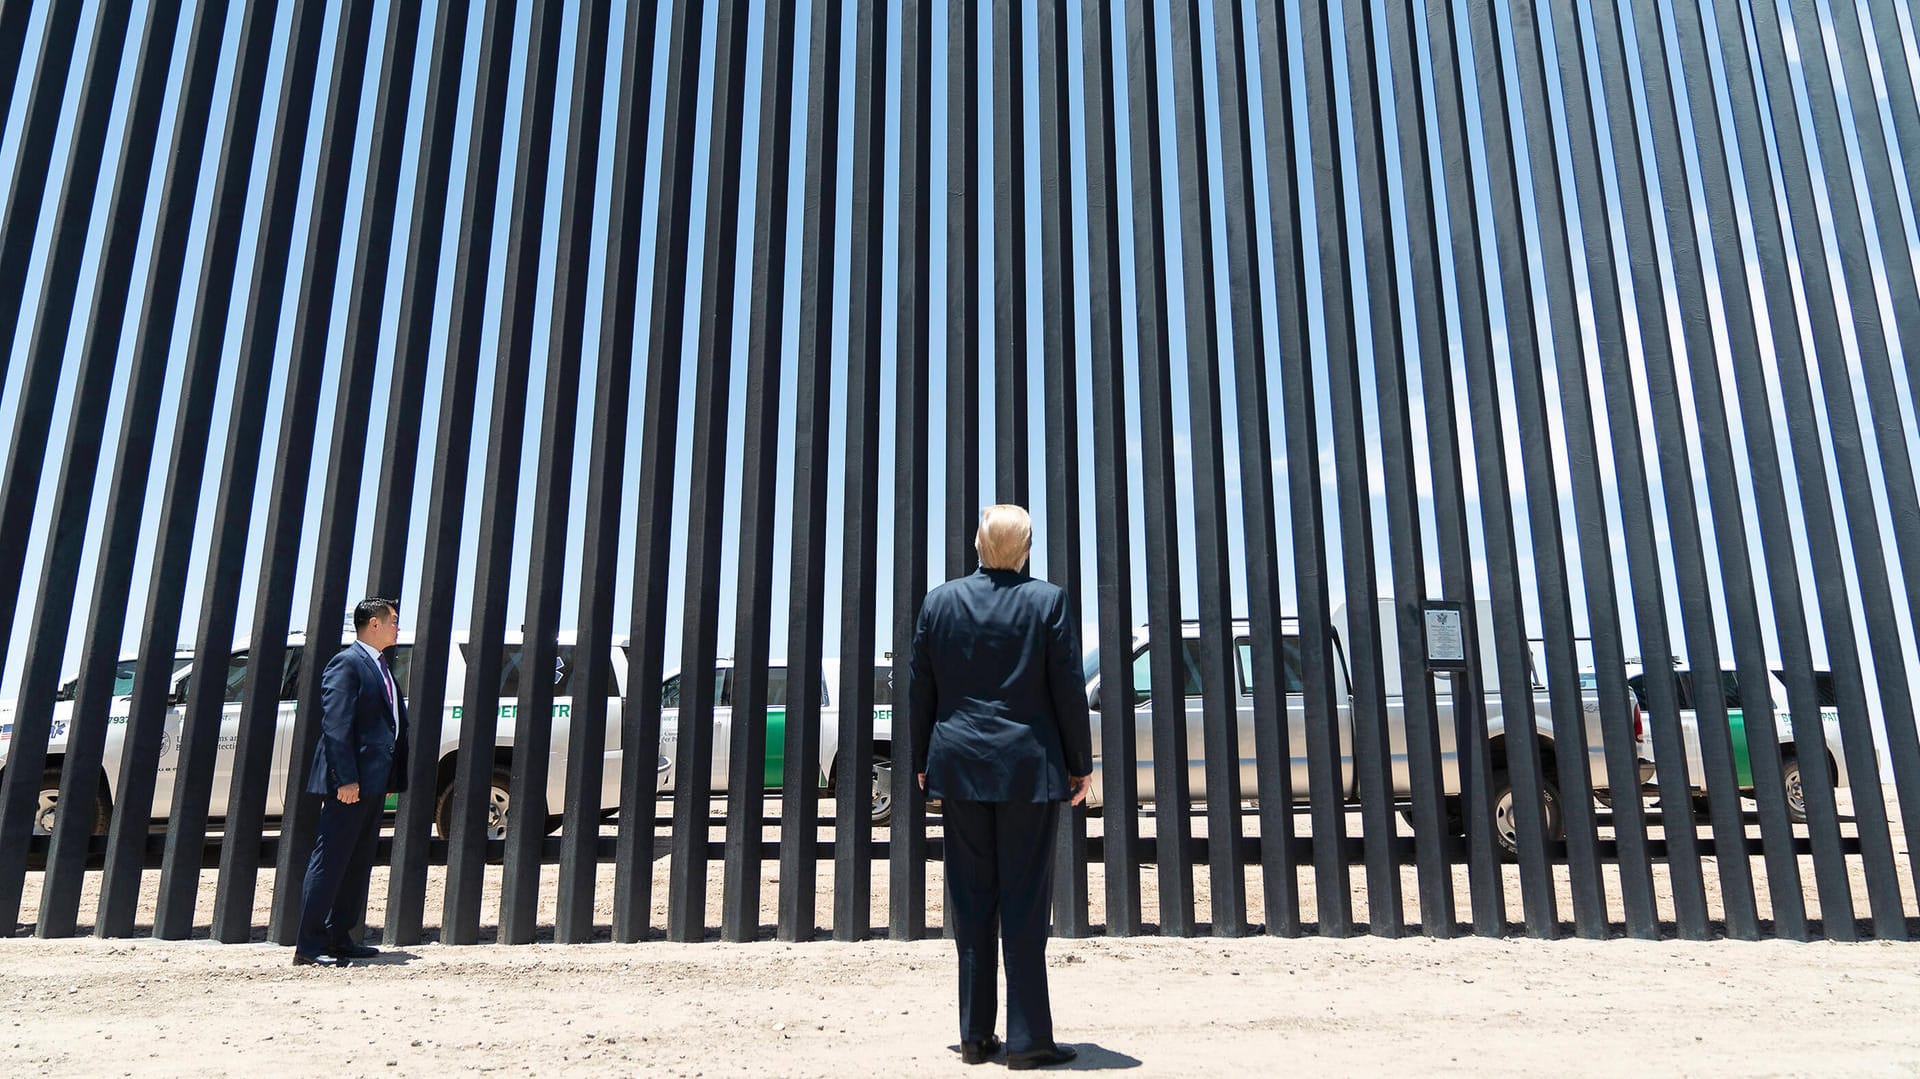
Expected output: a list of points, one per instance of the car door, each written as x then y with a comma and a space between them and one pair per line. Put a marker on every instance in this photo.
1144, 692
1295, 704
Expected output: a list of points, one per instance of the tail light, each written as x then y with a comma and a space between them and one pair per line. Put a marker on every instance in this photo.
1639, 728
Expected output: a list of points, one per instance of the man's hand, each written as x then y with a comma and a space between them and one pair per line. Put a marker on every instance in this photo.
348, 794
1081, 786
922, 776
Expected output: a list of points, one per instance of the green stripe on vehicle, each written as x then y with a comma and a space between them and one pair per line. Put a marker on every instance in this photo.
1742, 760
776, 747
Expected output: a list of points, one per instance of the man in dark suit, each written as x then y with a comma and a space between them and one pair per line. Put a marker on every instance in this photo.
361, 758
1001, 737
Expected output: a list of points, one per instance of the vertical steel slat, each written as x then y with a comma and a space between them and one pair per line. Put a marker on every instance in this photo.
1595, 546
159, 636
1059, 367
1869, 558
1513, 265
606, 465
20, 496
59, 313
1522, 763
693, 767
426, 686
33, 167
82, 782
1218, 683
1406, 548
640, 712
1902, 104
233, 901
1011, 426
1636, 511
14, 18
1709, 397
853, 760
800, 793
907, 850
200, 731
1896, 466
747, 755
292, 471
1769, 484
1273, 767
1743, 614
553, 487
1333, 884
1327, 789
477, 756
1676, 477
1372, 748
963, 280
1473, 764
1113, 557
1173, 831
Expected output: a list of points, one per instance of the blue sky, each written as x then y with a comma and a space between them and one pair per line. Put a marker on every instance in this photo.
940, 283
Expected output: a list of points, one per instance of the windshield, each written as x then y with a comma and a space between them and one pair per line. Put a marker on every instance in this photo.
1092, 665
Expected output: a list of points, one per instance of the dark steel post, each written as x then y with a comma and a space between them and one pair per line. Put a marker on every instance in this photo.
153, 681
1466, 690
800, 790
1173, 832
1011, 427
1332, 879
83, 782
640, 713
1219, 685
963, 284
1572, 737
854, 760
1406, 548
907, 848
427, 672
606, 466
766, 312
478, 758
33, 167
1059, 367
527, 826
1636, 510
1113, 557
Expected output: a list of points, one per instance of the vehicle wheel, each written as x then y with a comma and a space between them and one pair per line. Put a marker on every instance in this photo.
1796, 794
1506, 827
499, 800
49, 804
882, 791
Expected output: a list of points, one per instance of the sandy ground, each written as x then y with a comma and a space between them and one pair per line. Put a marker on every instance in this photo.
1363, 1006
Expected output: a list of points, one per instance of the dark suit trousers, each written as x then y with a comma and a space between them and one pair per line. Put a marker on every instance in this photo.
334, 898
1000, 872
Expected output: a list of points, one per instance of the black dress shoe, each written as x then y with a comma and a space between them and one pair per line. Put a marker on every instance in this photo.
1040, 1058
981, 1051
355, 951
301, 959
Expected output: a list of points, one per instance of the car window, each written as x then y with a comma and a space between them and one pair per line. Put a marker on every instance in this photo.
883, 687
722, 690
1143, 672
1290, 678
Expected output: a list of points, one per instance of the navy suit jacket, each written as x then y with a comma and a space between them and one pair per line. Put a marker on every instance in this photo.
358, 743
996, 698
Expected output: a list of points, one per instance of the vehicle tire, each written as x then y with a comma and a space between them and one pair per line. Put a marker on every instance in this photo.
1796, 794
499, 802
43, 816
1504, 825
880, 793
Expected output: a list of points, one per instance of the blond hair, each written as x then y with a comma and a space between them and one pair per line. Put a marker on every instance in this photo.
1005, 537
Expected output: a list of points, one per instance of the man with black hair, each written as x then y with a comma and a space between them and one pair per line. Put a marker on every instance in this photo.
362, 757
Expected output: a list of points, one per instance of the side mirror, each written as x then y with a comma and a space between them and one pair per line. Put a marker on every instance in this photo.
1093, 699
179, 695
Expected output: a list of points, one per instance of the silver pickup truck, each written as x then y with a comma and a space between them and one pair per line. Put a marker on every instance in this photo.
1497, 722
